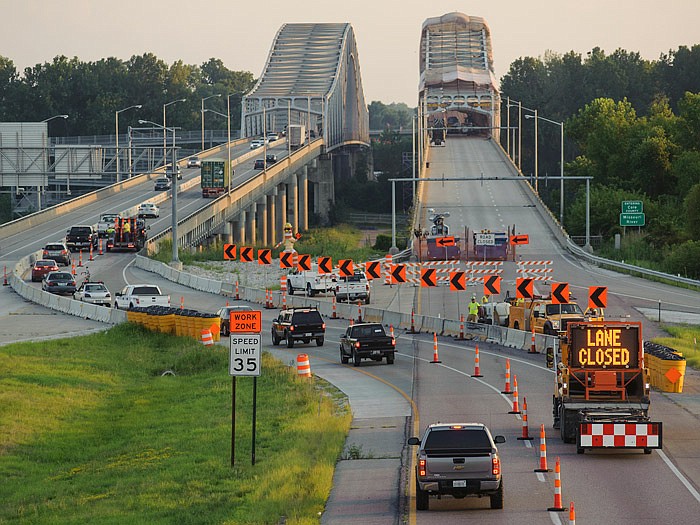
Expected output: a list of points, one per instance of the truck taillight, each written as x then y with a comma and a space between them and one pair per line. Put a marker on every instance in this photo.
495, 465
323, 326
421, 467
291, 328
393, 342
357, 344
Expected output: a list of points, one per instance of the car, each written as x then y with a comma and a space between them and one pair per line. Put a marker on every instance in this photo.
148, 209
298, 324
93, 293
259, 164
270, 158
58, 251
271, 137
458, 459
194, 162
257, 143
225, 316
59, 283
163, 183
366, 341
169, 172
42, 267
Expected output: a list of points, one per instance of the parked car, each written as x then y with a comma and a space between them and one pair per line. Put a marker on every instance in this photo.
259, 164
59, 283
257, 143
225, 316
93, 293
270, 158
43, 267
58, 251
169, 172
148, 209
163, 183
194, 162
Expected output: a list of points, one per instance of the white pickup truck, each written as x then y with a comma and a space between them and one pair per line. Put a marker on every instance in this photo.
310, 282
140, 295
106, 221
353, 288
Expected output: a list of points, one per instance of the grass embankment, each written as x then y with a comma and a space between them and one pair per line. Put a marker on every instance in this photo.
684, 339
91, 432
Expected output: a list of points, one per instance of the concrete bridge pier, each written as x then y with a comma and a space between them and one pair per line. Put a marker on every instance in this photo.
229, 232
262, 220
304, 198
241, 227
271, 224
320, 173
251, 224
281, 208
293, 191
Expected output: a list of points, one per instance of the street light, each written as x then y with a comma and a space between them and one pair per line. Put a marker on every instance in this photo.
228, 146
206, 98
164, 127
116, 129
55, 116
175, 261
561, 162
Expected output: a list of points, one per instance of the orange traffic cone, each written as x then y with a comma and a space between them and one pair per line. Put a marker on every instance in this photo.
391, 331
90, 258
80, 258
533, 348
100, 252
352, 321
413, 324
72, 269
207, 338
461, 328
303, 365
334, 315
435, 350
4, 276
557, 489
543, 452
507, 389
238, 297
526, 430
516, 409
284, 300
477, 368
182, 303
572, 514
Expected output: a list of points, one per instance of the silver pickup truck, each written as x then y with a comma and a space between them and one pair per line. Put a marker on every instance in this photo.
458, 459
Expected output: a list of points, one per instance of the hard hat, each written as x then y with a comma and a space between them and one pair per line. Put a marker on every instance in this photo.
287, 225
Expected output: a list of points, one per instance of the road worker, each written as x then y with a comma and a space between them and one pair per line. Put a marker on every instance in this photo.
126, 229
473, 311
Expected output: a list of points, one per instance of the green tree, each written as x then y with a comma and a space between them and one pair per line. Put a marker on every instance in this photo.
692, 212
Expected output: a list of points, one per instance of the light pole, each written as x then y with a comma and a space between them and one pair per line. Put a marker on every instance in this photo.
206, 98
561, 162
55, 116
116, 130
175, 261
165, 133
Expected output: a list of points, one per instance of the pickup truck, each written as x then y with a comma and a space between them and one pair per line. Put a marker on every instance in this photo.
80, 237
135, 295
311, 282
352, 288
458, 459
298, 324
106, 221
366, 341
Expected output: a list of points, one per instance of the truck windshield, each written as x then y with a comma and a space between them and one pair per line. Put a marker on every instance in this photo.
457, 439
571, 308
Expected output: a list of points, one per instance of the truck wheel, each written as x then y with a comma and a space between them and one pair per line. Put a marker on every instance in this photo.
422, 500
290, 289
367, 300
355, 359
580, 450
319, 341
116, 306
309, 291
290, 340
647, 451
516, 325
390, 360
275, 338
497, 498
343, 358
568, 424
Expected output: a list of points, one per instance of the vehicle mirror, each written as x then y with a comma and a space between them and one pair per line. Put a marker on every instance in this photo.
413, 441
499, 439
550, 357
118, 294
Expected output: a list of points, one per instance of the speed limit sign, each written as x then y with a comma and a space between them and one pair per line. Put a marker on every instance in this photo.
246, 350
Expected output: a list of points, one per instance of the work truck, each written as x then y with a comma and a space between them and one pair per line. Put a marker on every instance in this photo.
135, 295
296, 135
602, 388
352, 288
366, 341
544, 316
215, 177
310, 282
132, 238
105, 223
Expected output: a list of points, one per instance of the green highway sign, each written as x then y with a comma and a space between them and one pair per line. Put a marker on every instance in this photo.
632, 219
634, 207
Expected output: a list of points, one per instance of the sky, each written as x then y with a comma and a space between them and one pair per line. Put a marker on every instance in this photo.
240, 33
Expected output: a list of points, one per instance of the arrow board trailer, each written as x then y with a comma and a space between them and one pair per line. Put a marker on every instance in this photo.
245, 354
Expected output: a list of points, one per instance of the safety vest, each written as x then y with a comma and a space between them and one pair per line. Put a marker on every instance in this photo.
473, 308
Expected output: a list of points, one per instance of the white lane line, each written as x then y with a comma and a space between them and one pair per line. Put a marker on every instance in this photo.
124, 270
678, 474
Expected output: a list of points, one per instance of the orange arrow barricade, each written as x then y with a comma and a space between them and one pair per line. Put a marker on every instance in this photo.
526, 430
557, 489
435, 350
543, 452
507, 389
477, 368
516, 409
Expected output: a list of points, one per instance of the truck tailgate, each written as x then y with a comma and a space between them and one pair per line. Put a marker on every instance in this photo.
459, 465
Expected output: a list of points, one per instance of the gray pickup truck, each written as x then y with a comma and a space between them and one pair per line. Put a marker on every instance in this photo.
459, 460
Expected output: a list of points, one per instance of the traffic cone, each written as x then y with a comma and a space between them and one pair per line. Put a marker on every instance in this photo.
303, 365
413, 324
284, 300
227, 304
238, 297
352, 321
572, 514
477, 368
90, 258
533, 348
4, 276
557, 489
359, 312
543, 452
516, 409
391, 331
72, 269
182, 303
334, 315
435, 350
207, 338
80, 258
100, 252
526, 430
507, 389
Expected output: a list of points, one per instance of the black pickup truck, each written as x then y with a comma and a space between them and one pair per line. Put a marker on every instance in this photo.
298, 324
80, 237
366, 341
